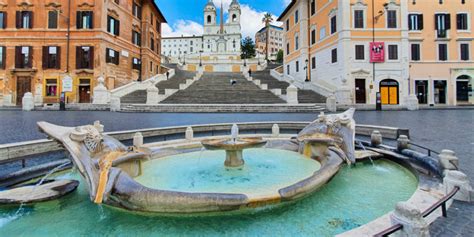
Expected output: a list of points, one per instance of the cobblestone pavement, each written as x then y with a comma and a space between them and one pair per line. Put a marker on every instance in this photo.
436, 129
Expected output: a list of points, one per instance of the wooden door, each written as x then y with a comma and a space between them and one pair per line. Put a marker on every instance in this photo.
462, 91
384, 94
393, 95
84, 94
361, 96
23, 85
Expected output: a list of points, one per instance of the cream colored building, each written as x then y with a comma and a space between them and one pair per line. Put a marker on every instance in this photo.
327, 47
275, 41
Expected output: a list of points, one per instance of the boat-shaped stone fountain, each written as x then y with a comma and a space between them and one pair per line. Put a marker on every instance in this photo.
113, 171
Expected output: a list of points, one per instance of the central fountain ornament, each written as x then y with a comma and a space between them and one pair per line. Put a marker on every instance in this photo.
234, 147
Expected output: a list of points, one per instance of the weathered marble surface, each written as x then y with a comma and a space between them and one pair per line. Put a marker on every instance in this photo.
45, 192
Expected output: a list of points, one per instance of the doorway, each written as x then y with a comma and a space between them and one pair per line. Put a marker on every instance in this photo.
421, 89
360, 91
440, 92
23, 85
389, 92
463, 88
84, 90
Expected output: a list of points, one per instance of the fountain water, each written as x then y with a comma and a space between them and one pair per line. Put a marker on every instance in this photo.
234, 147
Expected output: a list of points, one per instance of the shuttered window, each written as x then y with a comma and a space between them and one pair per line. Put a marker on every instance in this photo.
462, 21
333, 24
136, 63
23, 57
84, 20
3, 53
391, 19
415, 52
393, 52
358, 19
52, 20
113, 25
137, 10
442, 52
3, 20
415, 22
112, 56
24, 20
51, 57
334, 56
84, 57
464, 51
359, 52
136, 38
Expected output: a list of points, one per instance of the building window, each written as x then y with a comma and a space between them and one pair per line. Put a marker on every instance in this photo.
359, 52
297, 16
322, 33
297, 42
464, 48
393, 52
3, 20
136, 63
152, 44
137, 10
333, 25
3, 53
442, 24
52, 20
51, 57
113, 25
391, 19
297, 65
313, 63
415, 52
158, 26
84, 57
136, 38
462, 21
442, 52
334, 56
313, 7
288, 69
287, 24
23, 57
51, 87
415, 21
112, 56
287, 48
24, 20
84, 20
359, 19
151, 66
313, 36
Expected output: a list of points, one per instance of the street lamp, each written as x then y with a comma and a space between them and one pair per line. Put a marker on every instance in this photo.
200, 60
306, 68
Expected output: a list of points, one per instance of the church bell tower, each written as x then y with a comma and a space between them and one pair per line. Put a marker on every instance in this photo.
234, 12
210, 14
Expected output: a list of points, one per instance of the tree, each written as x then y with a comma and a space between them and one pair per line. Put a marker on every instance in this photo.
267, 19
280, 56
248, 48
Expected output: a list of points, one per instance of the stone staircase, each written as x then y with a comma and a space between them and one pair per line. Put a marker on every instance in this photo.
304, 96
215, 88
140, 96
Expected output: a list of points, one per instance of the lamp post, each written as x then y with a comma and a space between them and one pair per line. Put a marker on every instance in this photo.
184, 58
200, 60
306, 68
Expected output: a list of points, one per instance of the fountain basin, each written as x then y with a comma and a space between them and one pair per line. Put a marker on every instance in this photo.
234, 148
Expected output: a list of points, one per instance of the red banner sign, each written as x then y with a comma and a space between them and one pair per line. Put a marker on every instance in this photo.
377, 52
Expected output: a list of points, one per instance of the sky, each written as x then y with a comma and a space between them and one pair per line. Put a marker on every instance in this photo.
185, 17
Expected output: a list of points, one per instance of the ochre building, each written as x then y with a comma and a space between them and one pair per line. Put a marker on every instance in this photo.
44, 42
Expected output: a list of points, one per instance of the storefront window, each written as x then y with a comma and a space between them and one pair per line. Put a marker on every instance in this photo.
51, 87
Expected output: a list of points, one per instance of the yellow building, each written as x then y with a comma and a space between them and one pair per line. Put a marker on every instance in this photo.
441, 58
330, 46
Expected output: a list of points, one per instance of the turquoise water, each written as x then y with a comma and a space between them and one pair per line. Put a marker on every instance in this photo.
354, 197
264, 173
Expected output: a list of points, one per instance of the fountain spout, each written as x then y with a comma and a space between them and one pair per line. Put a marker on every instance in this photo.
234, 132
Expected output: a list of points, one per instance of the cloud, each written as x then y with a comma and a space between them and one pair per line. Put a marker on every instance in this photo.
286, 2
251, 22
182, 28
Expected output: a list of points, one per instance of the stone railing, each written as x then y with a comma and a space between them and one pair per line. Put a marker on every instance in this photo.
135, 86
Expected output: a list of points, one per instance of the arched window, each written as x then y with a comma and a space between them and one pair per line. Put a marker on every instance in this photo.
234, 18
209, 19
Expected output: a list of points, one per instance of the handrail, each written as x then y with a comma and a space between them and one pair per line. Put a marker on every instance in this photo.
427, 212
425, 148
442, 203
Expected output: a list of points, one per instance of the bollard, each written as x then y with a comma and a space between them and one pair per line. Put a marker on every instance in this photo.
138, 140
292, 95
275, 130
189, 133
27, 102
448, 160
412, 220
376, 138
115, 104
454, 178
403, 142
152, 96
